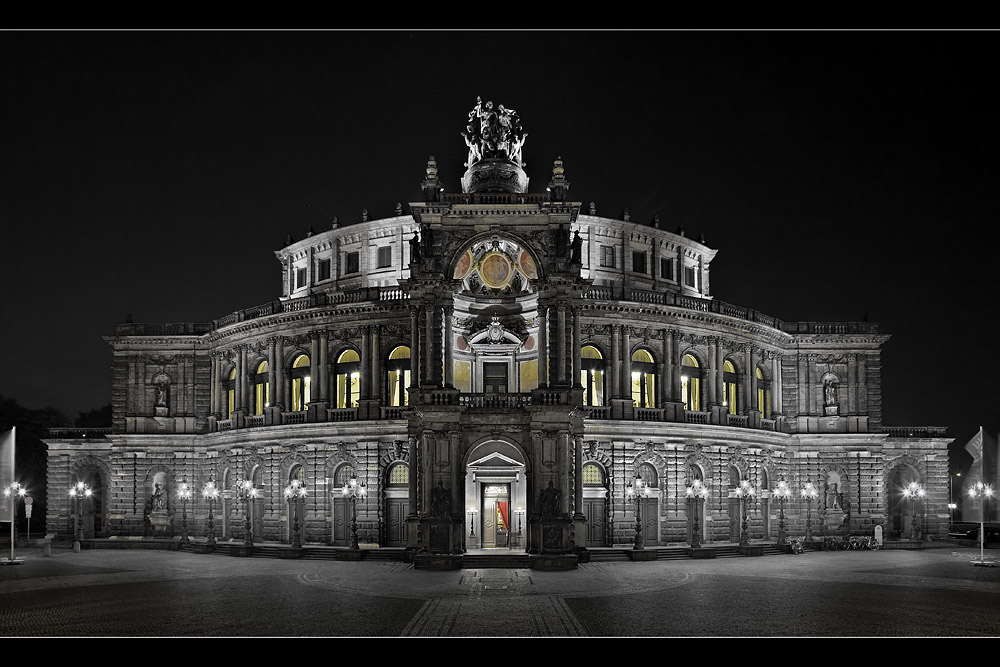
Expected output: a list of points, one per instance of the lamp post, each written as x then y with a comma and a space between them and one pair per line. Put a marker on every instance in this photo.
13, 491
245, 493
782, 492
637, 490
981, 492
211, 494
912, 492
354, 490
745, 492
809, 493
295, 493
78, 492
184, 493
696, 493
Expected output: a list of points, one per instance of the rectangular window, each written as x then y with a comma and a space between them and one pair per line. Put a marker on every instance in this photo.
608, 256
689, 276
666, 269
639, 261
351, 263
300, 278
324, 269
384, 257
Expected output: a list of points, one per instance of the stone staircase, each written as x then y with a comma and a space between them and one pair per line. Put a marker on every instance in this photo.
501, 560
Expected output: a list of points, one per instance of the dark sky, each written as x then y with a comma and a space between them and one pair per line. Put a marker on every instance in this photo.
839, 174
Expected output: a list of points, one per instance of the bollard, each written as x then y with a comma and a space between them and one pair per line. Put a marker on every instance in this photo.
47, 549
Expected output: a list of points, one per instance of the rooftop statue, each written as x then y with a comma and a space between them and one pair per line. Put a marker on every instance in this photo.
493, 133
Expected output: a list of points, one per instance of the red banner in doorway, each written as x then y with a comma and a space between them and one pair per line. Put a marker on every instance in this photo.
502, 507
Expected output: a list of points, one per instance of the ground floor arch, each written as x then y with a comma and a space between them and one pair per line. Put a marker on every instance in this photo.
496, 496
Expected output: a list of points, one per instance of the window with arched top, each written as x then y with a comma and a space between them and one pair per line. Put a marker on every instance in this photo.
398, 369
262, 388
648, 474
763, 394
342, 476
643, 379
729, 384
592, 375
399, 475
230, 389
592, 475
301, 383
348, 371
690, 383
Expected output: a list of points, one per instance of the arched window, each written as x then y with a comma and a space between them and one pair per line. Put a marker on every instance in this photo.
230, 389
399, 376
729, 387
592, 475
348, 379
592, 375
690, 383
343, 475
262, 389
399, 475
763, 395
301, 381
648, 474
643, 379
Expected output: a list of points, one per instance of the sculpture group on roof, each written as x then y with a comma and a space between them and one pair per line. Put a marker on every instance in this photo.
493, 133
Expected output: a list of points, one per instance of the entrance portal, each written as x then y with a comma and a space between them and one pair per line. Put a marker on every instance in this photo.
496, 494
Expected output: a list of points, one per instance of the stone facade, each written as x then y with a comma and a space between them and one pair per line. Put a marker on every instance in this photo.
498, 368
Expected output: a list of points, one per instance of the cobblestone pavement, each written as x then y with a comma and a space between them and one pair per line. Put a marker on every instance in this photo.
177, 594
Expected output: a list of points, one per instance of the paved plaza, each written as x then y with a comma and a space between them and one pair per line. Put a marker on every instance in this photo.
889, 593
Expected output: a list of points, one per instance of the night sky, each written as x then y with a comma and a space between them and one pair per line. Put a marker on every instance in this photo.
839, 174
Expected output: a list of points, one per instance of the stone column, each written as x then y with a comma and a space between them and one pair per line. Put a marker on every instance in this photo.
852, 384
428, 343
578, 477
241, 380
213, 384
449, 352
543, 347
862, 384
376, 364
365, 361
561, 344
272, 372
414, 347
626, 364
315, 392
324, 367
713, 371
666, 389
281, 399
575, 349
749, 380
615, 363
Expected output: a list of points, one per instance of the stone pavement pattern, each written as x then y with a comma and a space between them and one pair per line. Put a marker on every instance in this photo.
178, 594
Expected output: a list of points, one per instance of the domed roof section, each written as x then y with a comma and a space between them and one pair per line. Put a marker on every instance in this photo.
494, 137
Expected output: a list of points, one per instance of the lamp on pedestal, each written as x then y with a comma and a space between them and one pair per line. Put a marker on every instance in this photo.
913, 492
981, 492
245, 492
637, 490
696, 493
295, 493
78, 492
211, 494
746, 493
184, 493
809, 493
13, 491
782, 492
354, 490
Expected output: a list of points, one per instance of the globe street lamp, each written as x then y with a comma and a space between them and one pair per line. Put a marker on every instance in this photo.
295, 493
745, 492
981, 492
782, 492
637, 490
14, 491
912, 492
78, 491
354, 490
245, 492
809, 493
696, 494
184, 493
211, 494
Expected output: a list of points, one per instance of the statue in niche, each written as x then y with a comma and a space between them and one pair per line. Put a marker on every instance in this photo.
834, 497
158, 502
415, 248
440, 502
829, 393
577, 248
550, 501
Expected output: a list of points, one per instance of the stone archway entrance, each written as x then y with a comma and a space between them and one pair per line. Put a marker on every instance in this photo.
495, 497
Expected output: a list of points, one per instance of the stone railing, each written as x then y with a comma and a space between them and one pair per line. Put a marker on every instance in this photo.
649, 414
392, 412
341, 414
915, 431
254, 421
661, 298
493, 198
739, 421
769, 424
692, 417
69, 433
494, 400
298, 417
597, 412
225, 424
163, 329
830, 327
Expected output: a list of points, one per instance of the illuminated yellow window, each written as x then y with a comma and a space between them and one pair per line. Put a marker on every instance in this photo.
399, 475
301, 381
348, 379
643, 380
592, 475
399, 376
231, 392
592, 375
262, 389
763, 395
729, 387
690, 383
529, 375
